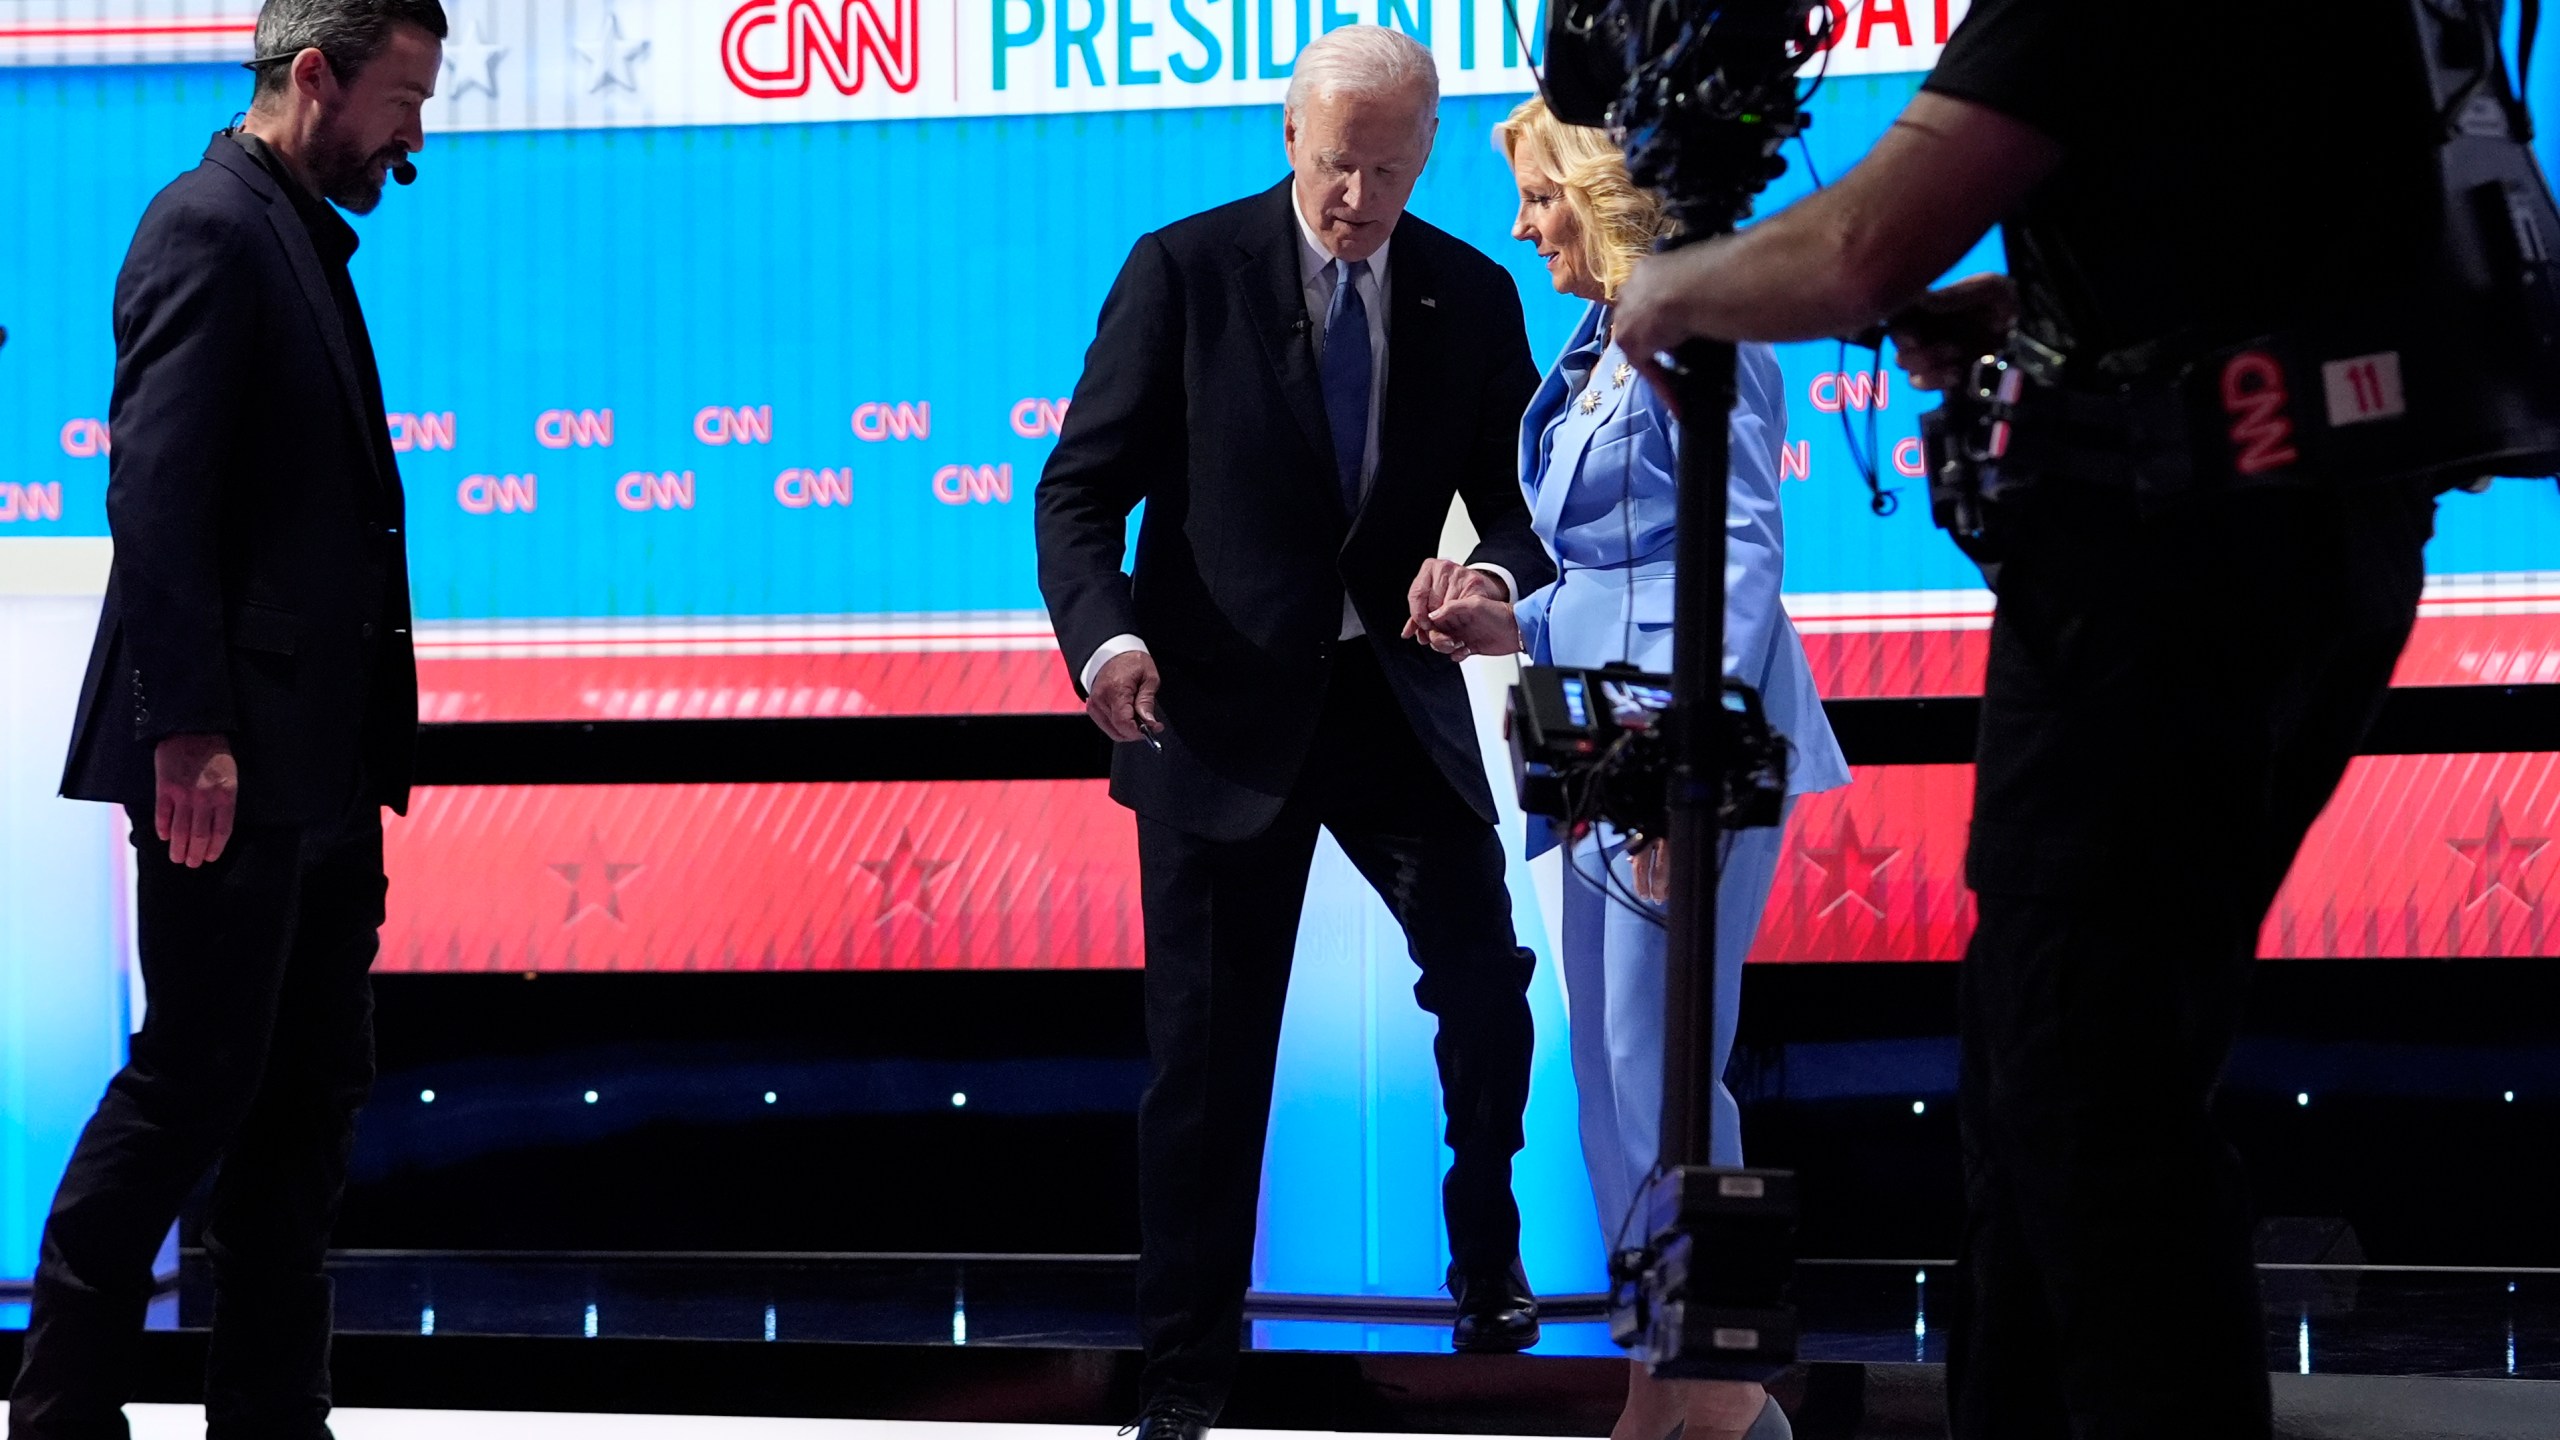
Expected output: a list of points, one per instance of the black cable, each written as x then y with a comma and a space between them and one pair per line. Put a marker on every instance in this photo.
1610, 887
1804, 148
1868, 459
1863, 459
1635, 1202
1511, 8
1822, 71
1585, 811
1882, 500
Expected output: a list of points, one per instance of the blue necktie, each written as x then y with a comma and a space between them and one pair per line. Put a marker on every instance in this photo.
1348, 367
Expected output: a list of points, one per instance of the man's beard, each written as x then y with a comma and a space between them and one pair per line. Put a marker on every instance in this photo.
347, 175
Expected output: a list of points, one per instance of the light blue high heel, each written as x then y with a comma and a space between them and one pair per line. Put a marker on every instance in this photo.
1772, 1424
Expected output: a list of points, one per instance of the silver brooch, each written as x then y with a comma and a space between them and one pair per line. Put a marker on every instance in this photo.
1590, 401
1624, 373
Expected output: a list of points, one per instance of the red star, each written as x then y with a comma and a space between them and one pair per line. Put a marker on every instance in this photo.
906, 883
2498, 860
593, 876
1849, 867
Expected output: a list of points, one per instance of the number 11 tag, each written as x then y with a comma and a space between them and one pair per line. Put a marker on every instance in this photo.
2366, 387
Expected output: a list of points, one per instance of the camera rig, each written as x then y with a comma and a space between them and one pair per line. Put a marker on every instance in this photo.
1701, 94
1597, 744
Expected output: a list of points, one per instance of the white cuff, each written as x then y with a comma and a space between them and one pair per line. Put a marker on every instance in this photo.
1108, 651
1510, 586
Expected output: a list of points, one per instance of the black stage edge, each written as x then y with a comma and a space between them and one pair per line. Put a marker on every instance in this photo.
864, 1152
694, 752
1400, 1309
2409, 1145
861, 1149
2415, 721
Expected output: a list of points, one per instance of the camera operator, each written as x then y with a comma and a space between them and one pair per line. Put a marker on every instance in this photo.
2178, 674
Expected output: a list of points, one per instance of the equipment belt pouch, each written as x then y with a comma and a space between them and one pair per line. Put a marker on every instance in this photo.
2077, 437
2390, 404
2344, 408
2268, 411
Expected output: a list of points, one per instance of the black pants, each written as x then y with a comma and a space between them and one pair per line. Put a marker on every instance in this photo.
2172, 698
256, 1051
1222, 924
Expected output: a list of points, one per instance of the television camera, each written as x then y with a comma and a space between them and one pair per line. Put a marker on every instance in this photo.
1702, 94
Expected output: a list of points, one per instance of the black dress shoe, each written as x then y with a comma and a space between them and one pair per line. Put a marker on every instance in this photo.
1497, 1314
1170, 1419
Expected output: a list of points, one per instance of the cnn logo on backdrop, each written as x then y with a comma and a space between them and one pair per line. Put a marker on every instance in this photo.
864, 38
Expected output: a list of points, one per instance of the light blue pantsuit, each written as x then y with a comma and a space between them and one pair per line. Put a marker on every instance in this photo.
1613, 963
1598, 456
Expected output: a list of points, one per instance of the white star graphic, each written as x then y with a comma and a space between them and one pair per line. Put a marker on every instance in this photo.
473, 63
612, 59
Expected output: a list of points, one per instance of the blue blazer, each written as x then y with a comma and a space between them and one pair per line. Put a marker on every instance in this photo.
1598, 459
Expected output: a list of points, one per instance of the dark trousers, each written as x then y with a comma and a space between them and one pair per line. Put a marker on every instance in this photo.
1222, 924
256, 1051
2171, 699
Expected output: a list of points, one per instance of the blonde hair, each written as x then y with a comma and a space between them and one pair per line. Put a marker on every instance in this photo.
1619, 222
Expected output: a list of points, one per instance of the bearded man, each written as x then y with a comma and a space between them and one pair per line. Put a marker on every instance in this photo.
252, 703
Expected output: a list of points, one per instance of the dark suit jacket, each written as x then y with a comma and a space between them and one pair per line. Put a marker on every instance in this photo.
260, 588
1200, 397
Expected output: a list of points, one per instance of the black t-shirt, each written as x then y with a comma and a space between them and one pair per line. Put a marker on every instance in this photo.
391, 710
335, 240
2228, 167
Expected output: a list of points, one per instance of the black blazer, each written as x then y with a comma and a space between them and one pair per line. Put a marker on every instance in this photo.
260, 588
1200, 397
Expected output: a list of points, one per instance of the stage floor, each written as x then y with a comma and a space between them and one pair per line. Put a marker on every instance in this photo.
2342, 1321
816, 1348
186, 1422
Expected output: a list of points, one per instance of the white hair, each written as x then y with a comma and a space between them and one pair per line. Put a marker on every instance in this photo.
1365, 60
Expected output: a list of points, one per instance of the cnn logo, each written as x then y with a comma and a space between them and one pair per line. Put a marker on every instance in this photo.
1833, 391
85, 439
734, 425
497, 494
866, 37
560, 429
799, 489
643, 490
902, 421
1035, 418
974, 485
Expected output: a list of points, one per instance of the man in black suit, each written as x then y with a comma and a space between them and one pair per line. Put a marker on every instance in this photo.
1297, 385
252, 703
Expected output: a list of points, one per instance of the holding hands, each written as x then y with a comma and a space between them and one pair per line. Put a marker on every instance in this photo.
1456, 611
1460, 612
